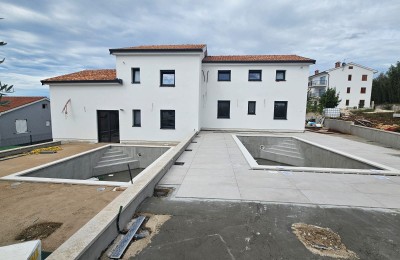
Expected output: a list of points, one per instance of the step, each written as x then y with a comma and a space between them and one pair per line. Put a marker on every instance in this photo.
123, 158
112, 152
283, 147
112, 156
115, 167
282, 158
284, 151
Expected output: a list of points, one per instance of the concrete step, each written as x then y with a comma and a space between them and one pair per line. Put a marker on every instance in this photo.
121, 158
285, 151
285, 147
115, 167
112, 156
282, 158
112, 152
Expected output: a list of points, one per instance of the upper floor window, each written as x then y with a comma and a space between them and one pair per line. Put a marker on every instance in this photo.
223, 109
135, 75
136, 118
364, 77
167, 78
280, 110
349, 77
280, 75
350, 67
251, 108
167, 119
224, 75
44, 106
348, 90
363, 90
254, 75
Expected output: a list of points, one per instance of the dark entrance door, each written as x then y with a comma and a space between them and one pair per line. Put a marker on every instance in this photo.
108, 126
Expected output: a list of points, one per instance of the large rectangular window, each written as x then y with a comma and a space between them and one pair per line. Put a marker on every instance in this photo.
167, 119
254, 75
135, 75
280, 75
137, 118
251, 108
224, 109
224, 75
280, 110
361, 104
167, 78
21, 126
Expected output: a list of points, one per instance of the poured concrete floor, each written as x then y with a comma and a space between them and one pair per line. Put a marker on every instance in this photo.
216, 169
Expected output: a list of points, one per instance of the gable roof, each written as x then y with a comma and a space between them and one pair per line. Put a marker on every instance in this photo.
257, 59
86, 76
341, 67
18, 102
163, 48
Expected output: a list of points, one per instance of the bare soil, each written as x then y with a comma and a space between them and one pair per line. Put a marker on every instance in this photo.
380, 120
38, 231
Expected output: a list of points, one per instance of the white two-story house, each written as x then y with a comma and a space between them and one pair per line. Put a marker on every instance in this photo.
351, 80
165, 92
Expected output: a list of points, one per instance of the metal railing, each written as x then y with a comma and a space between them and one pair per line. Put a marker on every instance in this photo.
318, 83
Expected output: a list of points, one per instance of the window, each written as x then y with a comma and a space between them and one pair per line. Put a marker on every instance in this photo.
350, 67
280, 75
364, 77
48, 123
361, 104
137, 118
349, 77
167, 119
251, 108
254, 75
21, 126
363, 90
348, 90
347, 102
224, 75
135, 75
223, 109
44, 106
167, 78
280, 110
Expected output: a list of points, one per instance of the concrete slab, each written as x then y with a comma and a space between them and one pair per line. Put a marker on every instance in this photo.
175, 176
273, 195
374, 188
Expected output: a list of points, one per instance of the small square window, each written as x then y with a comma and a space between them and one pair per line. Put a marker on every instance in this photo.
254, 75
44, 106
350, 67
224, 75
137, 118
364, 77
363, 90
224, 109
167, 119
348, 90
280, 110
349, 77
135, 75
280, 75
167, 78
251, 108
347, 102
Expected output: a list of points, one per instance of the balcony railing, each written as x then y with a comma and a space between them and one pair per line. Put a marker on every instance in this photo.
318, 83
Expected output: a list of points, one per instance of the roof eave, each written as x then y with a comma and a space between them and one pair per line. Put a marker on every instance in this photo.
257, 61
112, 51
47, 82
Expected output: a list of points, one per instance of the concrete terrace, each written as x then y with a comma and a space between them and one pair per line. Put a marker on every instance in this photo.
216, 169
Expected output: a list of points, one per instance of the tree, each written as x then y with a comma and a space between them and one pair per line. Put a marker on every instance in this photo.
4, 89
386, 87
330, 99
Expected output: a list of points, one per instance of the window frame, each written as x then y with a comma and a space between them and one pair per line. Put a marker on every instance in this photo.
348, 90
284, 75
133, 70
349, 77
134, 117
248, 107
224, 71
161, 119
363, 90
347, 102
286, 106
364, 77
219, 116
164, 72
350, 67
255, 71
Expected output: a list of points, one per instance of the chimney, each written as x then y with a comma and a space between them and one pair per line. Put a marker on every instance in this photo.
316, 72
337, 64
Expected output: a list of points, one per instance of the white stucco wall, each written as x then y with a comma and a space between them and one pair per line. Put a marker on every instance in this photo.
239, 91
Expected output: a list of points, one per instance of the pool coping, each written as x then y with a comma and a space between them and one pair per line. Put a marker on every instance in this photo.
387, 171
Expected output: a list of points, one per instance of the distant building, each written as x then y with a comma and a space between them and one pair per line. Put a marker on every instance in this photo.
25, 120
165, 92
352, 81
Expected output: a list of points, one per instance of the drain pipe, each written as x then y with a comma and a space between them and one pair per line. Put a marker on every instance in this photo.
130, 174
119, 213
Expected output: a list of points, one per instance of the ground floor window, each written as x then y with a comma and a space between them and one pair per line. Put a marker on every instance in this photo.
361, 104
167, 119
280, 110
223, 109
21, 126
251, 108
137, 118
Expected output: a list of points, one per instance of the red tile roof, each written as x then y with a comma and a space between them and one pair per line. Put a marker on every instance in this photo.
15, 102
85, 76
161, 48
257, 59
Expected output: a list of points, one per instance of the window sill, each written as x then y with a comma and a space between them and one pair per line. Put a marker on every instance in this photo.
251, 114
171, 86
278, 80
224, 81
136, 126
255, 80
135, 82
223, 118
280, 118
167, 128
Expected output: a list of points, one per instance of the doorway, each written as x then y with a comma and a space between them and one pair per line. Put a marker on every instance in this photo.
108, 126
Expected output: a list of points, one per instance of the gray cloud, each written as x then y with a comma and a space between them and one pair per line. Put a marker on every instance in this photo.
49, 38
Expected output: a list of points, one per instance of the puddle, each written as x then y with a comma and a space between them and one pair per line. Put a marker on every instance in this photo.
322, 241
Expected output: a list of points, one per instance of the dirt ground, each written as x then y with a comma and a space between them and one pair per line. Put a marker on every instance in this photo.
24, 204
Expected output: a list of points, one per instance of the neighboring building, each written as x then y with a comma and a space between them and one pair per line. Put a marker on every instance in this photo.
165, 92
24, 120
352, 81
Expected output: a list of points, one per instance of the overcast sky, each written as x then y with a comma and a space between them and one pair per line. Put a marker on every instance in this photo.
51, 38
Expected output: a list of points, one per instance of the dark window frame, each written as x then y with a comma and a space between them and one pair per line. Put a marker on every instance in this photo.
219, 113
350, 67
348, 90
275, 114
361, 103
255, 71
224, 72
363, 90
349, 77
248, 108
347, 102
162, 72
134, 117
284, 75
364, 77
163, 126
134, 81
